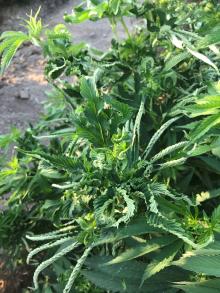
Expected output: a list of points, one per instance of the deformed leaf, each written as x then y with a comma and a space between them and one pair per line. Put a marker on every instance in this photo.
88, 89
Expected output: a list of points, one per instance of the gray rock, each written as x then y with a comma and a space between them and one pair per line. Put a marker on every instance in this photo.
24, 94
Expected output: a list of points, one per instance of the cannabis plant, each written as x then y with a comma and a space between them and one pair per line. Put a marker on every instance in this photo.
117, 185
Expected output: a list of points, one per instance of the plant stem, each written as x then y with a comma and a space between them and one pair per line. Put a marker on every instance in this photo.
125, 28
113, 26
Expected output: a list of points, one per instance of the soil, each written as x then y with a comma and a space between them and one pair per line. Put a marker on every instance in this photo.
22, 88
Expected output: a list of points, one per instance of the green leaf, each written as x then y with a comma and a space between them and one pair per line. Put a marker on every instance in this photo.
215, 219
199, 150
176, 60
9, 52
125, 110
136, 227
59, 133
207, 286
126, 277
215, 147
171, 226
46, 246
42, 266
205, 106
7, 139
157, 135
212, 163
162, 260
77, 17
12, 34
203, 58
58, 161
212, 37
130, 208
142, 249
115, 5
212, 101
169, 150
202, 261
10, 42
203, 127
88, 89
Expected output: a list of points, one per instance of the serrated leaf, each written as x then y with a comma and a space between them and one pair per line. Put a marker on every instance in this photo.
142, 249
203, 262
162, 260
43, 265
136, 227
203, 127
173, 227
205, 106
10, 42
45, 247
88, 89
130, 208
58, 161
207, 286
125, 277
12, 34
169, 150
157, 135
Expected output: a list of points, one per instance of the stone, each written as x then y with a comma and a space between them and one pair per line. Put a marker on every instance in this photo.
24, 94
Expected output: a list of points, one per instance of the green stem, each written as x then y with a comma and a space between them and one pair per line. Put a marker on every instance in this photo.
125, 28
113, 26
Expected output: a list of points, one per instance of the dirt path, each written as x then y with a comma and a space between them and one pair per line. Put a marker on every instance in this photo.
22, 89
